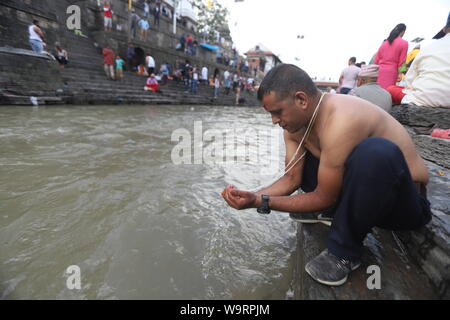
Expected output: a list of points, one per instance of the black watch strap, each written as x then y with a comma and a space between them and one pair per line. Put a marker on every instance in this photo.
264, 209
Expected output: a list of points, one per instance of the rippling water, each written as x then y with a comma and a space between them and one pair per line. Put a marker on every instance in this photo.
96, 187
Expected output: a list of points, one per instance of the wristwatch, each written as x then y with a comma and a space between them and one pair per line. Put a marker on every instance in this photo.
264, 209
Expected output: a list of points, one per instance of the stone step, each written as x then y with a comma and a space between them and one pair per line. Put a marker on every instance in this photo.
26, 100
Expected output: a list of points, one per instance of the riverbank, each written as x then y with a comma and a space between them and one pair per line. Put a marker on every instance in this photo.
25, 74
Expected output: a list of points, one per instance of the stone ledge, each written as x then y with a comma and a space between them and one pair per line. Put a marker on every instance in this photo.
436, 150
24, 52
401, 278
422, 119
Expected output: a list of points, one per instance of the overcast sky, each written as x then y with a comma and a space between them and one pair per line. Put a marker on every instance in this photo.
334, 30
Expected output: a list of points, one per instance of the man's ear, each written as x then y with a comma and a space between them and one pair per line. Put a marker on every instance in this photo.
301, 99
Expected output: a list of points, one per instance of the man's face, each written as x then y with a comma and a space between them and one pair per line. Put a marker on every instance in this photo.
287, 113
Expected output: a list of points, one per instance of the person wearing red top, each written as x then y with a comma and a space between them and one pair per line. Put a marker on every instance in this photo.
108, 62
107, 15
189, 42
391, 56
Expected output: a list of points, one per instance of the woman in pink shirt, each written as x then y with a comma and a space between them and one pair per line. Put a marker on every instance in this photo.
391, 56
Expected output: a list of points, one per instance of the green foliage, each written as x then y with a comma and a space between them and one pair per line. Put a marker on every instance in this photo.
212, 19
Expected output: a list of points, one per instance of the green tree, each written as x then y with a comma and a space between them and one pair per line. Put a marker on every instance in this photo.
211, 20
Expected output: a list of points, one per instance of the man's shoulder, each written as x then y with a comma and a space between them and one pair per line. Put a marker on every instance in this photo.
347, 108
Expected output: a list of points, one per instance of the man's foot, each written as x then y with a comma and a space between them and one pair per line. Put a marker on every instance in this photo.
328, 269
325, 217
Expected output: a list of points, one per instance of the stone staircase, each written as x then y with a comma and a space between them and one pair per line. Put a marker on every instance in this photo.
83, 80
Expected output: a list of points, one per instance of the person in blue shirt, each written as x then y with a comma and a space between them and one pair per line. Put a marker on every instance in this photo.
144, 26
119, 68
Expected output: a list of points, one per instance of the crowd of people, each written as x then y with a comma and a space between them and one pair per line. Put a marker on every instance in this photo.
188, 45
394, 76
183, 71
140, 26
234, 80
192, 76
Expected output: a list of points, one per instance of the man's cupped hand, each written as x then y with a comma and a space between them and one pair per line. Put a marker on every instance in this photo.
239, 199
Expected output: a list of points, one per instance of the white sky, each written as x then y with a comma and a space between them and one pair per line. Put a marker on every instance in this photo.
334, 30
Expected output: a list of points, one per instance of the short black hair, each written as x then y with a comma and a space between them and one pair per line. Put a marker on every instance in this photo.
286, 79
352, 59
35, 21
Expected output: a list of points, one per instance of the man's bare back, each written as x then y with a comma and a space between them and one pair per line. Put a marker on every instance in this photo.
344, 121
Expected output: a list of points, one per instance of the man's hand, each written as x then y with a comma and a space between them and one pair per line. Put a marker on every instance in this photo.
239, 199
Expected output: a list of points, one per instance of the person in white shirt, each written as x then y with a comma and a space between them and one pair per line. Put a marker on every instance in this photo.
146, 9
349, 75
150, 62
36, 37
427, 82
205, 74
194, 82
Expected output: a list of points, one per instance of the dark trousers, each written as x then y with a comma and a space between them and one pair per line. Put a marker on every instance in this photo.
345, 90
377, 191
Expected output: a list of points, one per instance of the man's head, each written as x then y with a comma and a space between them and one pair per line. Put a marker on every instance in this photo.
36, 23
368, 74
288, 93
351, 61
444, 30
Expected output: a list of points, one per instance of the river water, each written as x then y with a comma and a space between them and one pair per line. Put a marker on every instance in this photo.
97, 188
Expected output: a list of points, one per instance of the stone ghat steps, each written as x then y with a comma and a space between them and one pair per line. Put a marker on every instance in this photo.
170, 89
136, 99
83, 83
165, 91
130, 79
125, 97
83, 86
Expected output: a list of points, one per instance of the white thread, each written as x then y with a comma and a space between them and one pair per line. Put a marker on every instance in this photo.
307, 132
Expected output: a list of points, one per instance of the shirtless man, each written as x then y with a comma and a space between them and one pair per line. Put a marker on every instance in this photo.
360, 165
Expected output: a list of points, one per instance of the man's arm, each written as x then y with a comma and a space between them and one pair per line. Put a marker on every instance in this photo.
286, 185
290, 182
40, 33
329, 183
337, 144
